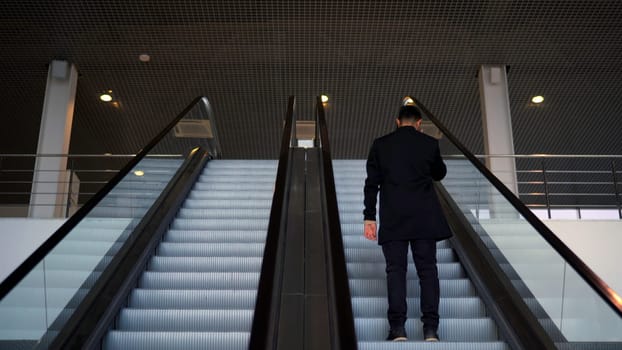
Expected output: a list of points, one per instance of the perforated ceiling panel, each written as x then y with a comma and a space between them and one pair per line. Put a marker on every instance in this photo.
248, 56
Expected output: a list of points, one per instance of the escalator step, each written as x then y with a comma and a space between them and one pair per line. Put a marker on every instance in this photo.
248, 178
465, 307
210, 249
165, 320
231, 195
233, 186
220, 224
210, 214
199, 280
199, 264
192, 299
224, 236
357, 240
443, 345
216, 172
450, 329
227, 203
118, 340
375, 255
378, 288
373, 270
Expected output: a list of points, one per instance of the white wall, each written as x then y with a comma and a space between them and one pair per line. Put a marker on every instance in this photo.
19, 237
597, 243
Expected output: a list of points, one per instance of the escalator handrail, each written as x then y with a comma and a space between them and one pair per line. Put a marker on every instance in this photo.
342, 320
41, 252
266, 316
592, 279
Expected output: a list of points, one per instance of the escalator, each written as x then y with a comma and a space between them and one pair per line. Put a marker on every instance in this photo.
465, 323
202, 252
162, 258
506, 281
199, 288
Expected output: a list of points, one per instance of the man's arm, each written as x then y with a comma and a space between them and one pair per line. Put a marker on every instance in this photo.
438, 168
372, 183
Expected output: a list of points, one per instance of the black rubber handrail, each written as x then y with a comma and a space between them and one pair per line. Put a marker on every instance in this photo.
41, 252
266, 316
592, 279
342, 319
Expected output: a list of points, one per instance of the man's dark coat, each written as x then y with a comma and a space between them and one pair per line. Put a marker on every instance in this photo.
403, 165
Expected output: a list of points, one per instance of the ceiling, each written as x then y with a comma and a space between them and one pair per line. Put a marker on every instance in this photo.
247, 57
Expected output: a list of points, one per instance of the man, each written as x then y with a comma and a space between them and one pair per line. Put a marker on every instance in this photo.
403, 165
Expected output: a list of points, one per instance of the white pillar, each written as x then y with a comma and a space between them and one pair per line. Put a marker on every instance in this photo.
48, 200
497, 121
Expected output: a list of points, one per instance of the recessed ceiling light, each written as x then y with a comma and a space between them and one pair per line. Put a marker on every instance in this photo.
105, 97
144, 58
107, 154
324, 98
537, 99
139, 173
408, 101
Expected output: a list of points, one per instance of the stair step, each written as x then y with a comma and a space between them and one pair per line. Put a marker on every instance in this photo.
192, 299
166, 320
220, 236
450, 329
371, 270
210, 249
374, 254
200, 264
199, 280
119, 340
378, 288
376, 307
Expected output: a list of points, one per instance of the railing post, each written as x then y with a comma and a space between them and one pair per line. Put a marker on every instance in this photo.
615, 188
546, 190
69, 185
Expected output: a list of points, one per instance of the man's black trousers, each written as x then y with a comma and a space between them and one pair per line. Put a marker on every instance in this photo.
396, 257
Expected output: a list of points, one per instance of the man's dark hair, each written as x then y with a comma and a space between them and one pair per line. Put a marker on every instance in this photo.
409, 113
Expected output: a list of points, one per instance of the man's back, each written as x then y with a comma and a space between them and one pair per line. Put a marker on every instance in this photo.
403, 165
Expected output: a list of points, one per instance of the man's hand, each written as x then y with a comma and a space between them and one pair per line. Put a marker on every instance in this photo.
370, 230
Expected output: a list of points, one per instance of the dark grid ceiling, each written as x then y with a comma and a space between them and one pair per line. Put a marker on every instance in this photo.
248, 56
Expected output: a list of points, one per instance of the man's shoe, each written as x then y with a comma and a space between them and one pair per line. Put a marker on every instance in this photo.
397, 335
430, 335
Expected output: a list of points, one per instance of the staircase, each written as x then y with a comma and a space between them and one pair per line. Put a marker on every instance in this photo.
464, 321
199, 289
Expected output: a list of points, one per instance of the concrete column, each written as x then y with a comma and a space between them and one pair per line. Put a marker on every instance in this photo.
48, 200
497, 121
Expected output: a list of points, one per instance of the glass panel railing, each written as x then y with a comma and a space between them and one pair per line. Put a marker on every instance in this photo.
36, 308
542, 276
565, 295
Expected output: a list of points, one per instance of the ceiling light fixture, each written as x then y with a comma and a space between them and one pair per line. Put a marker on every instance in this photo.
106, 97
537, 99
324, 98
408, 101
144, 57
139, 173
